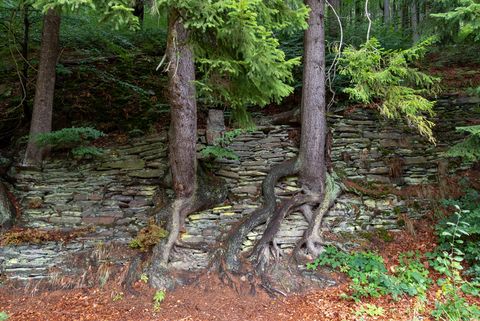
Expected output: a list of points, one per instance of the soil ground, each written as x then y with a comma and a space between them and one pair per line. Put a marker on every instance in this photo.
208, 299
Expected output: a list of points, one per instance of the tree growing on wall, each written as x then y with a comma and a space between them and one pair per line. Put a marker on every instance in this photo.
240, 64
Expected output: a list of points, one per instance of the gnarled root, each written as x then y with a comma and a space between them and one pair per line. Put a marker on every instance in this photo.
266, 246
209, 192
259, 216
312, 237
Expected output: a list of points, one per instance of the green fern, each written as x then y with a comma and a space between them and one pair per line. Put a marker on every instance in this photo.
385, 78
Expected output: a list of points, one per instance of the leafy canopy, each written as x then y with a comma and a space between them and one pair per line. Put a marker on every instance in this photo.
386, 79
119, 12
239, 58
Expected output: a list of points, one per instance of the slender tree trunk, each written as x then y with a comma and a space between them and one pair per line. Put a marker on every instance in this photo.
313, 112
414, 21
45, 87
26, 30
386, 12
333, 28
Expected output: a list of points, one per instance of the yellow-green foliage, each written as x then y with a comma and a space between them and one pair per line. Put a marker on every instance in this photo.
148, 237
385, 78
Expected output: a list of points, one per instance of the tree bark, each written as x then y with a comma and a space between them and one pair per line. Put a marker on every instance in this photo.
313, 111
182, 146
414, 21
26, 30
45, 87
386, 12
183, 104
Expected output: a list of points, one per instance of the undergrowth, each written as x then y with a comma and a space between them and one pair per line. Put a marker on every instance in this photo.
148, 237
75, 139
371, 278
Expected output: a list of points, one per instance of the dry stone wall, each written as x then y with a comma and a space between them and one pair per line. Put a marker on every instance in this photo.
115, 194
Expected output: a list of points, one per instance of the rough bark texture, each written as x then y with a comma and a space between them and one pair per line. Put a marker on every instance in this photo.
7, 211
26, 30
45, 87
313, 111
190, 195
183, 123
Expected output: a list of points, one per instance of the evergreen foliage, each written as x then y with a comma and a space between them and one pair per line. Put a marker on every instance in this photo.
469, 149
466, 15
74, 138
386, 79
237, 54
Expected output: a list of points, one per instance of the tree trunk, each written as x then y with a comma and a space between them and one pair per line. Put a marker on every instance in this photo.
386, 12
183, 105
313, 112
414, 20
26, 30
182, 146
333, 26
45, 87
7, 211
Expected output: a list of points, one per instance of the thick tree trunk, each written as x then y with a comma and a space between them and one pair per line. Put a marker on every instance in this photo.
45, 87
313, 111
183, 125
182, 145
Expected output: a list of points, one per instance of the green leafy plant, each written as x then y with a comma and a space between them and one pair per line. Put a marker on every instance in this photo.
386, 79
158, 299
144, 278
450, 305
370, 310
220, 150
370, 277
3, 316
75, 139
469, 221
118, 297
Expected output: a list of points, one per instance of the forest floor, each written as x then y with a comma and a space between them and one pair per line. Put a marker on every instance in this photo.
208, 299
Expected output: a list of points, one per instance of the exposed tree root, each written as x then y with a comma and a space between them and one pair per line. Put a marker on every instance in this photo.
313, 206
259, 216
312, 237
132, 273
210, 192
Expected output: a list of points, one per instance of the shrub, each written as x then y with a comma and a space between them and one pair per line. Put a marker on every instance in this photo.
450, 304
370, 277
75, 139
